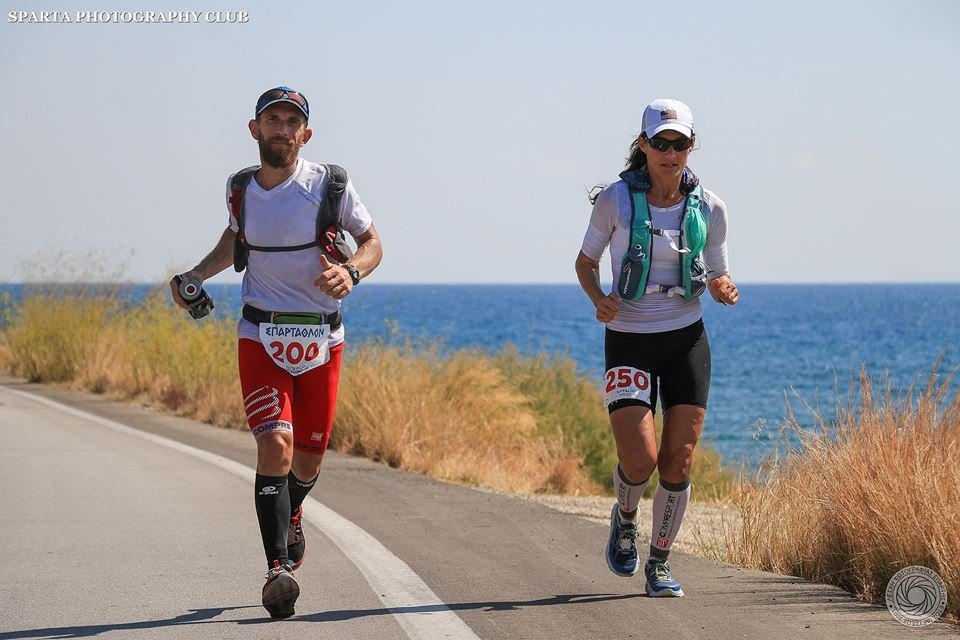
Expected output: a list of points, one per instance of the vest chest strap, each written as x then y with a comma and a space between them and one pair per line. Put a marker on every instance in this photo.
670, 235
664, 288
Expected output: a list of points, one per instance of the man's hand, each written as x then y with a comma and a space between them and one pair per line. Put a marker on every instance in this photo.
723, 290
335, 281
608, 308
175, 290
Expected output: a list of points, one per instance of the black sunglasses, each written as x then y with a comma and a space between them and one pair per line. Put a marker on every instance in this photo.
662, 144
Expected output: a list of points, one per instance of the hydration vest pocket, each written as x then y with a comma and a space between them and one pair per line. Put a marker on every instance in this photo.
240, 254
334, 244
698, 278
631, 272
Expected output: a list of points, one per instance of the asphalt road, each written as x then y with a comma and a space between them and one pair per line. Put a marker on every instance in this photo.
119, 522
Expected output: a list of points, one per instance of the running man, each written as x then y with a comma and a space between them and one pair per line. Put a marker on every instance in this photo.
297, 269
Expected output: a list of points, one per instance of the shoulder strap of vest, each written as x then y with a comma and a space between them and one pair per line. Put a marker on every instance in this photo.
238, 186
695, 222
329, 212
635, 264
694, 228
330, 235
704, 210
695, 200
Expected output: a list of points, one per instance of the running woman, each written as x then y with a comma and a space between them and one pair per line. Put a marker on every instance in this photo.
667, 239
290, 339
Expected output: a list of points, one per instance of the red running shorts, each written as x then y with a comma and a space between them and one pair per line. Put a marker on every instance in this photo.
276, 401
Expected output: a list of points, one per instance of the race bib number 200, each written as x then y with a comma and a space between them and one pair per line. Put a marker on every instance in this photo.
622, 383
297, 348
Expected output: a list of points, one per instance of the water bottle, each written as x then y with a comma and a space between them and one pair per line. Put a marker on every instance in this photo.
199, 304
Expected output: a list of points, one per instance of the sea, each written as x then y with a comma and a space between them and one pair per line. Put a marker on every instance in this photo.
783, 349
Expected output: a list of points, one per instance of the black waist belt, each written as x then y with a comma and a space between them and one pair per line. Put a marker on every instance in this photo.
256, 316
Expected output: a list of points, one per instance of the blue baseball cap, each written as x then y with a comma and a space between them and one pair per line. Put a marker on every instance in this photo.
283, 94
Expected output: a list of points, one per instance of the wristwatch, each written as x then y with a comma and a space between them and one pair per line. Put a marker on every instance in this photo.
352, 270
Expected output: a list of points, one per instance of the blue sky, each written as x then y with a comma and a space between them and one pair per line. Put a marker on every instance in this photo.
471, 130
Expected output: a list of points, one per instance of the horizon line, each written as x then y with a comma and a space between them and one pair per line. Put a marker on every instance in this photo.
499, 284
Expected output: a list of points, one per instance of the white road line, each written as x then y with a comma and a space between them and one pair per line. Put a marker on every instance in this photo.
417, 609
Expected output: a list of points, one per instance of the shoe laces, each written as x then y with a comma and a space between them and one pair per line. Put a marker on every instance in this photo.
661, 571
278, 569
627, 536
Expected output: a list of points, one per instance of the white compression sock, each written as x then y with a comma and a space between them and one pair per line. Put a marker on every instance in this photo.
628, 493
669, 503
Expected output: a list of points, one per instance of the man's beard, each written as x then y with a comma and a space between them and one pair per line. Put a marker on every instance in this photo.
276, 158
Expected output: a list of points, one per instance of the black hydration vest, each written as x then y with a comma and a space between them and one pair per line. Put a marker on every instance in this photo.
330, 236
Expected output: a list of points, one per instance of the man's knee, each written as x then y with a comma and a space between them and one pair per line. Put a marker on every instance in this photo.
274, 453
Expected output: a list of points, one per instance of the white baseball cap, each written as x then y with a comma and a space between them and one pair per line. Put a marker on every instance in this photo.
663, 114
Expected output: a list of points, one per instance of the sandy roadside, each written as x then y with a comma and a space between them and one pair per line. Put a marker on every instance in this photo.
701, 534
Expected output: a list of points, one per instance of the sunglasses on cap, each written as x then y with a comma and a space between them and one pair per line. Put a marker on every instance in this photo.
283, 94
662, 144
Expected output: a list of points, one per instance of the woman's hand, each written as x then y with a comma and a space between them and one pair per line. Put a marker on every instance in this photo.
608, 307
723, 290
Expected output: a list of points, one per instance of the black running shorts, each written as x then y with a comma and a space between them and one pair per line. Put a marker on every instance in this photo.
673, 364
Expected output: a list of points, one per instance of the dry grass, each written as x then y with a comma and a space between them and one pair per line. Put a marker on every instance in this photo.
862, 497
148, 353
454, 418
457, 418
504, 421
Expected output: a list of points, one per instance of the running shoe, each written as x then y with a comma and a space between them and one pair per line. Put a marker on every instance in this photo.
281, 591
622, 545
295, 543
660, 582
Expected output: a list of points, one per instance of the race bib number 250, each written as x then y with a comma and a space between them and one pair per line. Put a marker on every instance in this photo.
622, 383
298, 348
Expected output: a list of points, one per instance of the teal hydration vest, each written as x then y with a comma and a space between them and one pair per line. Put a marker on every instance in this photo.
635, 266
